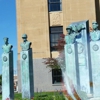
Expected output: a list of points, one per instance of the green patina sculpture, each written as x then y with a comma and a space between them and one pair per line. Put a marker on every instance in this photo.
7, 47
72, 32
26, 69
7, 71
95, 34
77, 28
69, 38
26, 44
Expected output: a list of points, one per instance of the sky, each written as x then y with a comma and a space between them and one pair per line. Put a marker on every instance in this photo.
8, 27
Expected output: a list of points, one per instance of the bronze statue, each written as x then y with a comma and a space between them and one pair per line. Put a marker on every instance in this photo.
26, 44
6, 47
69, 38
95, 34
72, 32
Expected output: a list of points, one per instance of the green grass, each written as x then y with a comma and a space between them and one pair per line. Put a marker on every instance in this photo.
41, 96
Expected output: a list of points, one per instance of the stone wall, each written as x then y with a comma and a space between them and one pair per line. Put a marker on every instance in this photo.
42, 77
34, 19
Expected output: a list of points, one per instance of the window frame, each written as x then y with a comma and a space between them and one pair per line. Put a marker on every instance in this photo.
54, 2
54, 34
56, 76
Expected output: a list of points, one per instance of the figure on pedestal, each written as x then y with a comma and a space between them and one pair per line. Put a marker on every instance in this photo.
7, 71
6, 47
95, 34
72, 32
26, 44
26, 68
95, 58
69, 38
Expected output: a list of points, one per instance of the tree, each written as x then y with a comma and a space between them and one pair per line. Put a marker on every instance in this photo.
61, 43
52, 63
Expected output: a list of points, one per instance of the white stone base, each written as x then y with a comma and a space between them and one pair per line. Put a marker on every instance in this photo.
90, 95
95, 98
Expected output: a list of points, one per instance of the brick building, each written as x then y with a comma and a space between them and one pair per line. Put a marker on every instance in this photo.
44, 21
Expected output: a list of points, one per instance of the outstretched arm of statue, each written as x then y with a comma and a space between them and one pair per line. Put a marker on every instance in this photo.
11, 47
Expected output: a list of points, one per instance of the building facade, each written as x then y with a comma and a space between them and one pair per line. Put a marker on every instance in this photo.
44, 21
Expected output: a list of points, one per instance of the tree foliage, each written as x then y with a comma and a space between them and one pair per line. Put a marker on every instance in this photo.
61, 43
52, 63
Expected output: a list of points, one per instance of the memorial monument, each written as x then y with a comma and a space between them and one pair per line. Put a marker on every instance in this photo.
82, 58
7, 71
95, 58
77, 55
27, 69
70, 56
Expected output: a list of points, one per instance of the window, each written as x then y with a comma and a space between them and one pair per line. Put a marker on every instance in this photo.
55, 5
56, 76
55, 33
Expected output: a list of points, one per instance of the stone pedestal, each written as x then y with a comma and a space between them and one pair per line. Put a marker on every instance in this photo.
85, 76
94, 99
71, 64
83, 68
27, 74
95, 62
7, 76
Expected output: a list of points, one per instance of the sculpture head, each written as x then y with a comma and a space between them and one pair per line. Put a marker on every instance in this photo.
69, 29
75, 28
95, 25
24, 36
5, 40
78, 28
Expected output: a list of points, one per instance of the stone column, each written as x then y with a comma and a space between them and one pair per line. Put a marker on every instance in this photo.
7, 71
83, 69
27, 69
71, 64
95, 58
27, 74
83, 55
7, 76
95, 62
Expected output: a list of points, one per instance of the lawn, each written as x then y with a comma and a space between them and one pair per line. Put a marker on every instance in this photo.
41, 96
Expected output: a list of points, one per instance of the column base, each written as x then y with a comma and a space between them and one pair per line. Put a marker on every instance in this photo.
94, 98
90, 97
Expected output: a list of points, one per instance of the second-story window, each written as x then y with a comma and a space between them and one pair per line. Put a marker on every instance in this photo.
55, 5
55, 33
